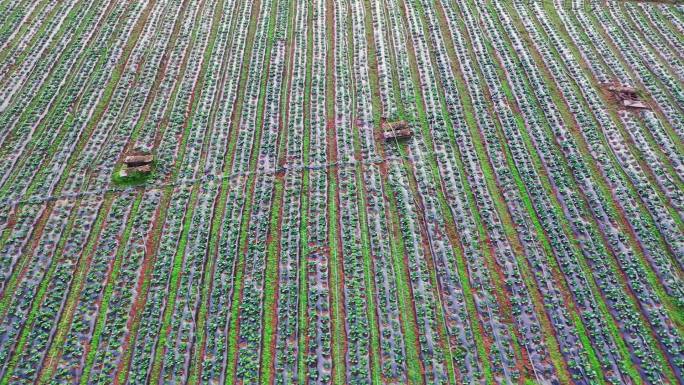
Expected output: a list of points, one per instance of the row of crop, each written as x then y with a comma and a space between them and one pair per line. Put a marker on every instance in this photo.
233, 36
449, 322
660, 23
38, 10
59, 159
659, 260
626, 314
141, 70
317, 355
635, 23
239, 202
173, 355
635, 272
363, 114
392, 352
177, 344
423, 297
397, 323
319, 300
269, 52
290, 259
640, 46
30, 111
420, 330
13, 14
88, 303
220, 304
673, 15
53, 81
656, 167
520, 289
106, 346
48, 304
26, 220
133, 335
667, 225
481, 207
641, 68
573, 268
393, 359
169, 148
15, 313
172, 67
38, 24
565, 334
201, 133
36, 266
6, 212
219, 317
604, 74
191, 207
618, 242
171, 358
662, 218
592, 136
619, 62
83, 137
175, 351
458, 341
460, 313
92, 137
546, 210
38, 31
654, 127
357, 322
143, 343
660, 137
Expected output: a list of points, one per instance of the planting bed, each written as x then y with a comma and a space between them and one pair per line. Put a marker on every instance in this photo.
526, 228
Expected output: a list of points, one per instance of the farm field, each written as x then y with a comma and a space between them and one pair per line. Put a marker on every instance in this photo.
341, 192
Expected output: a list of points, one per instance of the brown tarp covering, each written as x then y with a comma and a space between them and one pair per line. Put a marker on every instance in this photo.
138, 160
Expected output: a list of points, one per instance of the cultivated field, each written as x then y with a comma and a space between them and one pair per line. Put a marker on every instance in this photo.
527, 227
